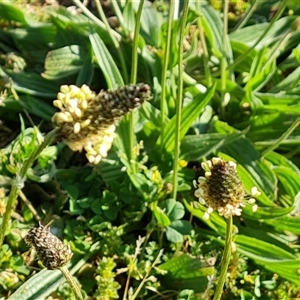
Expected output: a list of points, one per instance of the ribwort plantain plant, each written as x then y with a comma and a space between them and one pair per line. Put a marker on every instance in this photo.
224, 83
221, 190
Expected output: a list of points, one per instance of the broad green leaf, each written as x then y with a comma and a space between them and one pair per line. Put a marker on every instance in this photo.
261, 232
266, 128
34, 85
189, 114
106, 62
26, 39
173, 235
173, 209
289, 180
185, 272
182, 226
110, 168
271, 257
280, 160
263, 250
64, 61
194, 147
264, 213
285, 223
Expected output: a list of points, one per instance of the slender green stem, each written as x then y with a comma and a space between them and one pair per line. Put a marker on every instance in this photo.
133, 77
224, 62
130, 269
72, 282
134, 58
239, 59
250, 10
179, 98
94, 18
146, 276
164, 72
114, 41
117, 11
127, 284
205, 54
19, 181
283, 137
225, 259
278, 14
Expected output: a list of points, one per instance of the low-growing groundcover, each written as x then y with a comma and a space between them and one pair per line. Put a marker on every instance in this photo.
107, 113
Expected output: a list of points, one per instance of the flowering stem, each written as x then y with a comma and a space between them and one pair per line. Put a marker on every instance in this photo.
72, 282
224, 62
225, 259
133, 76
18, 182
179, 97
205, 55
163, 102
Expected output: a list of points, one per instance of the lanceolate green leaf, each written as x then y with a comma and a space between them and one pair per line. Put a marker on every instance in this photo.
285, 223
33, 84
289, 180
189, 114
106, 62
39, 286
264, 213
261, 249
186, 272
64, 61
193, 147
271, 257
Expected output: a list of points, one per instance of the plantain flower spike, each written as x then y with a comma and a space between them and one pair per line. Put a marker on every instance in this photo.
51, 251
221, 189
88, 121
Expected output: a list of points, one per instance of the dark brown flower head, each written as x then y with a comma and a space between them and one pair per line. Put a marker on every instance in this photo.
87, 120
50, 250
114, 104
221, 189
